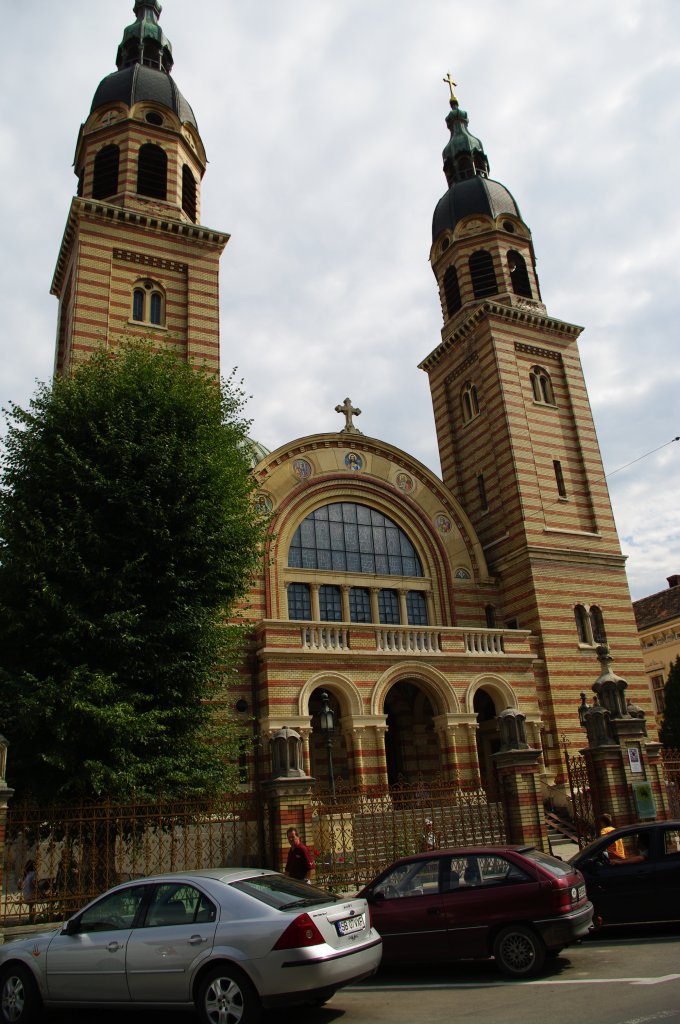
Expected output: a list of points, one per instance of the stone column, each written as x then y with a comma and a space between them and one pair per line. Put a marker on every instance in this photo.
375, 609
289, 805
518, 767
344, 597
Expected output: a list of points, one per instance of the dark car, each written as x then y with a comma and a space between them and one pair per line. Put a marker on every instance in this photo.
644, 886
511, 902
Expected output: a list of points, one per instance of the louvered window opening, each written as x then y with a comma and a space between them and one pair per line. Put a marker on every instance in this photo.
483, 274
105, 179
452, 291
519, 275
152, 172
189, 193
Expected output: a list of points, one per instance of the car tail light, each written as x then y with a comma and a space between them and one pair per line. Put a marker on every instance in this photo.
567, 898
300, 932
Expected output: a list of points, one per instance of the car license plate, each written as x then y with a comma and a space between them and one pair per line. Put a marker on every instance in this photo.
350, 924
581, 892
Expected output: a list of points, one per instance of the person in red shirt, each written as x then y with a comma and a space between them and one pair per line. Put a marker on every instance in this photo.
300, 862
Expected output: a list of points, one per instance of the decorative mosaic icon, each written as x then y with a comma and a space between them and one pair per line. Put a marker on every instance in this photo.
354, 461
404, 483
302, 469
462, 574
264, 504
443, 524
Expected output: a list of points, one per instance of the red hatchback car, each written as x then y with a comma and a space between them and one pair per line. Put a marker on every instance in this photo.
511, 902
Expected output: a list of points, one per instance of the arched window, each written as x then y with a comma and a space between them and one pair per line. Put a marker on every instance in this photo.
148, 303
541, 386
451, 291
189, 193
359, 604
105, 179
299, 601
490, 615
469, 401
388, 607
152, 171
330, 604
582, 624
519, 275
416, 606
347, 537
597, 623
483, 274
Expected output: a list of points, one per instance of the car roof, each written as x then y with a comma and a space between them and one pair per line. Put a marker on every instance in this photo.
216, 874
465, 851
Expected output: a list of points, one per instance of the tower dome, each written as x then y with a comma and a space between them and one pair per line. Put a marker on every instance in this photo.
144, 61
466, 167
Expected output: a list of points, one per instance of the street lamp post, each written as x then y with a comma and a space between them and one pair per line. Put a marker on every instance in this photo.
327, 724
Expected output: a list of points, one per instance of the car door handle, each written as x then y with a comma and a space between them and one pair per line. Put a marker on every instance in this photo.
114, 946
434, 910
196, 940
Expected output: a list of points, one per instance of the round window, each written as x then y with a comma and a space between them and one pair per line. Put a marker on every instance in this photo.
509, 226
153, 118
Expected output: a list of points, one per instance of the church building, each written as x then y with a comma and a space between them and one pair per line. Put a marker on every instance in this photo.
417, 608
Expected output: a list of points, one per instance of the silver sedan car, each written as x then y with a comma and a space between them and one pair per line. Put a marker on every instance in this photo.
228, 941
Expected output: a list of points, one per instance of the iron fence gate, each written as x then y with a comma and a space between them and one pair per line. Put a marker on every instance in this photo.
356, 833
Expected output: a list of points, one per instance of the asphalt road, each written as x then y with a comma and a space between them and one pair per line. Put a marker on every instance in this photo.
633, 978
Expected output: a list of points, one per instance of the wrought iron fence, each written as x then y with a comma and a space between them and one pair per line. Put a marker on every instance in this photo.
671, 764
356, 833
75, 852
580, 787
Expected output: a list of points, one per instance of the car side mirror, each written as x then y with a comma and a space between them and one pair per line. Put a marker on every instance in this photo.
71, 927
375, 897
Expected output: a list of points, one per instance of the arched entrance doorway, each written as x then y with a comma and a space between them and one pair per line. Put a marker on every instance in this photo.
411, 743
488, 740
318, 742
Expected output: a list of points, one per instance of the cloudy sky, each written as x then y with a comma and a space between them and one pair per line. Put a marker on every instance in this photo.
324, 124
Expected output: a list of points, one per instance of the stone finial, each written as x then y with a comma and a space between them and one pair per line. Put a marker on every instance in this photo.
286, 747
512, 729
348, 410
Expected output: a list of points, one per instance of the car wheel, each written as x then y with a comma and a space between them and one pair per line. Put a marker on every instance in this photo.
20, 1001
519, 951
226, 996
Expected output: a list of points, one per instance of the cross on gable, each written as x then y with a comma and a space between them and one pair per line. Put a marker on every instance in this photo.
348, 410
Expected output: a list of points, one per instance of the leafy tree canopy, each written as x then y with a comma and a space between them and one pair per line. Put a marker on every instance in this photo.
128, 530
670, 728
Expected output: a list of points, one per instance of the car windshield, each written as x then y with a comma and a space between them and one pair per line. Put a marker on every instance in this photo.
282, 892
554, 865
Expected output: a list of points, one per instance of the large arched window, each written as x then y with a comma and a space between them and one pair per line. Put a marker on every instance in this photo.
105, 179
483, 274
152, 171
346, 537
519, 275
451, 292
189, 193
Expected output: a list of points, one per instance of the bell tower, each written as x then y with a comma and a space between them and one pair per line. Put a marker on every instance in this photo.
135, 260
517, 440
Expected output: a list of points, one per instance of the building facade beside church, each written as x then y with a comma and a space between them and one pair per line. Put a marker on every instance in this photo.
423, 607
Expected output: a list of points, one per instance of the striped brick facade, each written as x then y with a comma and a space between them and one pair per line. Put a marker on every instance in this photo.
129, 240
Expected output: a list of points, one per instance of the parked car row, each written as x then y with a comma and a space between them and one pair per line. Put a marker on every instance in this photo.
231, 942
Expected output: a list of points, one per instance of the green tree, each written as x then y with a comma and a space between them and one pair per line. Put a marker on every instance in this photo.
670, 727
128, 530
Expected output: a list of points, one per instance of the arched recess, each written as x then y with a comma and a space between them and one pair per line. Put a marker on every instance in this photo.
345, 691
429, 679
486, 697
410, 702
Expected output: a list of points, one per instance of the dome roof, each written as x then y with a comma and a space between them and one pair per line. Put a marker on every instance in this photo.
478, 195
137, 82
254, 451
